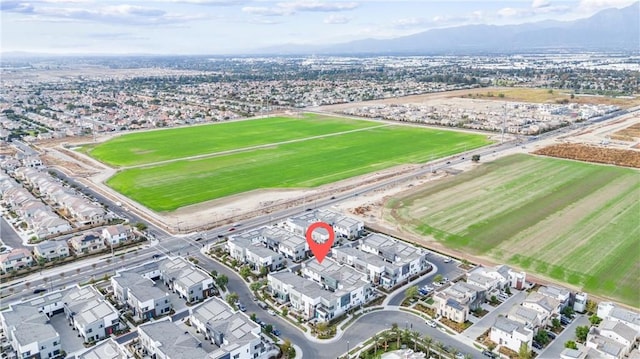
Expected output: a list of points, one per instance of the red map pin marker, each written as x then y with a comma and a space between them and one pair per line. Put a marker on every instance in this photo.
320, 250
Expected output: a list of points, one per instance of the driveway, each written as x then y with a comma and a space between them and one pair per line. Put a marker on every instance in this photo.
489, 319
9, 235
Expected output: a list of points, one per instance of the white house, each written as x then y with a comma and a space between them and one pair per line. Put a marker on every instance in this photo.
545, 306
191, 283
609, 310
15, 259
164, 339
117, 234
510, 334
90, 314
50, 250
234, 334
29, 332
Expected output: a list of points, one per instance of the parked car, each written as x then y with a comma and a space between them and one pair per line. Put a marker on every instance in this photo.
489, 354
39, 290
459, 355
276, 332
447, 260
551, 335
431, 323
565, 320
271, 312
537, 345
241, 307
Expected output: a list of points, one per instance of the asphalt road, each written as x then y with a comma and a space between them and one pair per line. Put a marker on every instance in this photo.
9, 235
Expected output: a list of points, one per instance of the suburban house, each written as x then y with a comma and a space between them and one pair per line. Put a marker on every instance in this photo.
545, 306
497, 278
255, 255
164, 339
605, 347
117, 234
510, 334
406, 260
456, 301
325, 296
88, 242
51, 250
234, 333
90, 314
343, 227
106, 349
624, 336
528, 317
29, 332
191, 283
47, 223
611, 311
370, 264
562, 295
15, 259
140, 295
85, 212
292, 246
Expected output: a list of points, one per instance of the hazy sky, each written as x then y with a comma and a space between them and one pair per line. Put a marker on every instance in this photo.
233, 26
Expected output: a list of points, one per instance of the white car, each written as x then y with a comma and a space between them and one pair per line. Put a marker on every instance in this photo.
271, 312
447, 260
431, 323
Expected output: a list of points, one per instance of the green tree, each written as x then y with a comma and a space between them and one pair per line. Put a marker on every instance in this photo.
524, 352
322, 327
285, 311
214, 273
582, 332
287, 348
411, 292
415, 337
222, 280
570, 344
255, 286
253, 316
555, 324
507, 290
232, 298
440, 349
541, 337
268, 328
475, 158
428, 341
567, 311
438, 278
140, 226
591, 306
595, 320
263, 271
245, 272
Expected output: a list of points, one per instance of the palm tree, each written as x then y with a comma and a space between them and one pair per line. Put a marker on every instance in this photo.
428, 341
414, 336
386, 335
440, 349
406, 335
375, 344
396, 332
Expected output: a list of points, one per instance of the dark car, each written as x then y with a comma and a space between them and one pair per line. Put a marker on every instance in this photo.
537, 345
39, 290
489, 354
448, 162
232, 229
198, 239
276, 332
220, 235
551, 336
155, 256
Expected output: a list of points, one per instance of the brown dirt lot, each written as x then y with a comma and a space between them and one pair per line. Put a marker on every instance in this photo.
630, 133
538, 95
574, 151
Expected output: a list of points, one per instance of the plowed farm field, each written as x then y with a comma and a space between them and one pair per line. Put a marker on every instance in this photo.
574, 222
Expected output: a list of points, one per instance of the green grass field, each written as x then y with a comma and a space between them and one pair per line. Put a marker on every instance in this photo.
161, 145
308, 163
571, 221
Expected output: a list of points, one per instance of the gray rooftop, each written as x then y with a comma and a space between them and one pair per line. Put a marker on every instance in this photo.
174, 342
368, 258
28, 325
404, 253
307, 287
107, 349
619, 328
509, 326
347, 277
183, 272
236, 327
88, 305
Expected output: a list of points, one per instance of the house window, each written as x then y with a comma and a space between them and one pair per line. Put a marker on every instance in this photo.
90, 330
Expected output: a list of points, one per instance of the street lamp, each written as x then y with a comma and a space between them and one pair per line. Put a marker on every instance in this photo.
347, 349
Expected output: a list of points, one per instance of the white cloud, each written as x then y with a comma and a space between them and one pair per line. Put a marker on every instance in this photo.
337, 19
292, 7
439, 20
593, 6
540, 3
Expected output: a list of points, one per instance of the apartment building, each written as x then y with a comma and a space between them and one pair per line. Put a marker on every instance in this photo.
90, 314
29, 332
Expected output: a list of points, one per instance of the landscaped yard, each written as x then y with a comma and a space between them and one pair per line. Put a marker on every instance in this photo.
306, 163
567, 220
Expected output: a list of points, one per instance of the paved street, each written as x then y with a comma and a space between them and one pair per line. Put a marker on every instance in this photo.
9, 235
569, 333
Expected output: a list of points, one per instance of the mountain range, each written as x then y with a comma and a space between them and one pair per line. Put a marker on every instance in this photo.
608, 30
